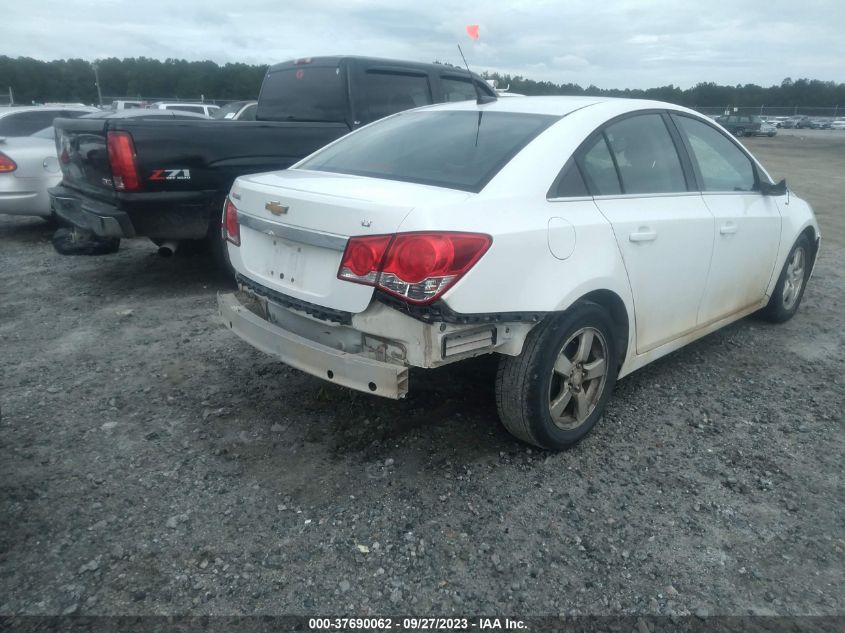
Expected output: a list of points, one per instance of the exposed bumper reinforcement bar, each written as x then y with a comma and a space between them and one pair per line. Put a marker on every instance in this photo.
349, 370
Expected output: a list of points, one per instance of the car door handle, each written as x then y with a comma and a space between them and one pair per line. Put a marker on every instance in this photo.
643, 235
727, 228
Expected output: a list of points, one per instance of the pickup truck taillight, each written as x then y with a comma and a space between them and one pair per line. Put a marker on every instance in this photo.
122, 160
7, 164
231, 228
416, 267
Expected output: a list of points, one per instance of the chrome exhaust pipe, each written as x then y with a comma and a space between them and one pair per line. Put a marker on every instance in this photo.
166, 249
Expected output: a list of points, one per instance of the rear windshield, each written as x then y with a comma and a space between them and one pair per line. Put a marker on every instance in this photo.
453, 149
304, 93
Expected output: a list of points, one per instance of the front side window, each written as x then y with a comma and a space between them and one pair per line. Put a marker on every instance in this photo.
388, 93
455, 149
721, 164
645, 155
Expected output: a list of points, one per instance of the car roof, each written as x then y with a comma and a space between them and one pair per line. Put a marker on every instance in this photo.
334, 60
559, 106
142, 113
187, 103
6, 110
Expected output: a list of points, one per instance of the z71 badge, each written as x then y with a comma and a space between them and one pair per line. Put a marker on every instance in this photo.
171, 174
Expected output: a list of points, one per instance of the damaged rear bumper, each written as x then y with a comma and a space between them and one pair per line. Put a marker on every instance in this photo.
347, 369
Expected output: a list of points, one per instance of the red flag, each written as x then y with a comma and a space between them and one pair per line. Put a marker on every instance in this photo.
472, 31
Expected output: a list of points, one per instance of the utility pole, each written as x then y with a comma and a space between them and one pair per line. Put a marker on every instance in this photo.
12, 97
97, 83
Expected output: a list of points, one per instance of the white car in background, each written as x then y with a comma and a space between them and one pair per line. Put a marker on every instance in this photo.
837, 125
237, 111
197, 108
578, 238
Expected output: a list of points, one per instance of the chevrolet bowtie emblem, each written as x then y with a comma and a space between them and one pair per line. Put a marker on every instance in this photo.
276, 208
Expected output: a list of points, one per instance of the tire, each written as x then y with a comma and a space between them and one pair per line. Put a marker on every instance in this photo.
789, 290
528, 385
770, 134
740, 133
72, 242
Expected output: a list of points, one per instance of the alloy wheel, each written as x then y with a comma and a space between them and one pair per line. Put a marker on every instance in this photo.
578, 378
794, 279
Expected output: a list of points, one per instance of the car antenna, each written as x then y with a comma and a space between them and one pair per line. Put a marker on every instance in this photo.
480, 98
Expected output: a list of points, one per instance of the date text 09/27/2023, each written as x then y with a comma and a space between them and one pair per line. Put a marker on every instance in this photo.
416, 624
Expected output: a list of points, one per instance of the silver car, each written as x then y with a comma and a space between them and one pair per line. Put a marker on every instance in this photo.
26, 120
28, 166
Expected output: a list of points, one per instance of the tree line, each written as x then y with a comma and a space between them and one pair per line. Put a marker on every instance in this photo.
790, 93
73, 80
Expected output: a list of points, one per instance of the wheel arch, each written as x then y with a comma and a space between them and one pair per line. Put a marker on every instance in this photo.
618, 312
814, 238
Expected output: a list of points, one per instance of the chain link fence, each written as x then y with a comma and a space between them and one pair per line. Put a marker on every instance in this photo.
828, 112
107, 101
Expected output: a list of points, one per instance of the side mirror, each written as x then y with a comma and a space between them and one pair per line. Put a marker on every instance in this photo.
768, 189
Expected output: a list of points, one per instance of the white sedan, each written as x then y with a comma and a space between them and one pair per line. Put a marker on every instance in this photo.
578, 238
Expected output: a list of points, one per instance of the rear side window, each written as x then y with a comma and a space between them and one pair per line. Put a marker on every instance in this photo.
645, 155
599, 169
26, 123
387, 93
571, 184
722, 166
454, 149
304, 93
456, 89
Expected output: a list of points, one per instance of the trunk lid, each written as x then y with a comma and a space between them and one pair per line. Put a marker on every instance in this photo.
295, 224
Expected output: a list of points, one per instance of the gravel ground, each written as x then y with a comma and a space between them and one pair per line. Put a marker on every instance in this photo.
151, 463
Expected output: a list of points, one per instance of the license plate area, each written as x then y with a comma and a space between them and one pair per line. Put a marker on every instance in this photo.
307, 271
286, 264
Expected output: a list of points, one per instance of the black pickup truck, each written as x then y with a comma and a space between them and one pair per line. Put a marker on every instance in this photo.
167, 179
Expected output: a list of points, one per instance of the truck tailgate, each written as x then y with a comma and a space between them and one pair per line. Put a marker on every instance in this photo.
184, 156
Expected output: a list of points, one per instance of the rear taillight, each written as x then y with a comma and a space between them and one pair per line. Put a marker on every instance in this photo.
7, 164
231, 228
122, 159
417, 267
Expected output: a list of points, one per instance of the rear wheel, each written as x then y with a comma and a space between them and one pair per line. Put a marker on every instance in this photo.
789, 289
553, 393
740, 133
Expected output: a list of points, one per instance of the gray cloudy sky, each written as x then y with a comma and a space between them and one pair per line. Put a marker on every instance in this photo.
610, 43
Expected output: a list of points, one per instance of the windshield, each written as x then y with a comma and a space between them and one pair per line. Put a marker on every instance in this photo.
231, 109
304, 93
454, 149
